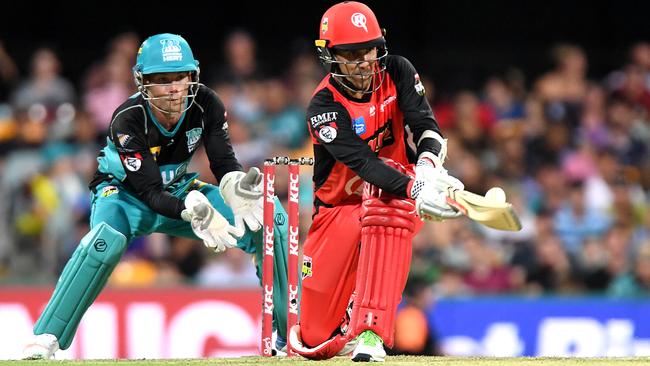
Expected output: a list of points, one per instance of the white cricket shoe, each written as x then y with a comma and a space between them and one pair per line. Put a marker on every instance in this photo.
42, 348
370, 348
348, 348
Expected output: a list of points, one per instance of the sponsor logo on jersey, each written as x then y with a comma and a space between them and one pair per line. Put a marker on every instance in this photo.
354, 186
327, 134
171, 50
155, 151
123, 139
372, 110
359, 125
419, 87
386, 102
306, 267
193, 138
382, 137
132, 162
359, 21
323, 118
109, 191
169, 173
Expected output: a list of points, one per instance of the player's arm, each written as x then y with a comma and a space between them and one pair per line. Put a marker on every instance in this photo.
142, 173
416, 109
431, 178
217, 141
241, 191
338, 138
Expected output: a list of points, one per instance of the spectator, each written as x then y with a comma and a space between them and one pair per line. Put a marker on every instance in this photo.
635, 283
574, 223
45, 87
564, 88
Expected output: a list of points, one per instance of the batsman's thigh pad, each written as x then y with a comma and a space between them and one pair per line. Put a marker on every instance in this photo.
387, 228
83, 277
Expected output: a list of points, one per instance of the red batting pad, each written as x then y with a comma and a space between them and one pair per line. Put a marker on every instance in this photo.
388, 225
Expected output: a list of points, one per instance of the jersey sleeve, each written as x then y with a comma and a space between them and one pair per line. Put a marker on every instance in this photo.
413, 103
217, 141
142, 173
331, 126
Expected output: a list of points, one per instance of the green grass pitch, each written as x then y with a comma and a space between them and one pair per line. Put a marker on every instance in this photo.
390, 360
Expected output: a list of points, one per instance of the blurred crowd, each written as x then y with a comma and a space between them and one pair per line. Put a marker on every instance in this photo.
570, 151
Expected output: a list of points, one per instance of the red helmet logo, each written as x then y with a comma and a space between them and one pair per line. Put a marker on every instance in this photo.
350, 23
359, 21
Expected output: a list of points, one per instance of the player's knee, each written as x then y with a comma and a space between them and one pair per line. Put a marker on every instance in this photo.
104, 243
314, 333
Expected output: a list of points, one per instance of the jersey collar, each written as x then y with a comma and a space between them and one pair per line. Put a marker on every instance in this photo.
365, 99
162, 129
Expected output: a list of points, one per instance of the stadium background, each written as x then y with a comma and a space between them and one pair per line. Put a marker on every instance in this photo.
570, 146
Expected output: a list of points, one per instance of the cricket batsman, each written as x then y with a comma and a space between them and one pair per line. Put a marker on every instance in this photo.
371, 189
142, 186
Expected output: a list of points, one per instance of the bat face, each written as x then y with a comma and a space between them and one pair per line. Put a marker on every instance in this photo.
493, 213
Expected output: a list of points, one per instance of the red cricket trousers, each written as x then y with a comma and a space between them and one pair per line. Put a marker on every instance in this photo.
332, 246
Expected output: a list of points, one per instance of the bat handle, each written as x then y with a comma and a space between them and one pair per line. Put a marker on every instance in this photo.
431, 212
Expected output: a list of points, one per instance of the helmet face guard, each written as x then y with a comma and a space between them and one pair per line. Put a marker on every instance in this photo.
166, 53
191, 86
376, 74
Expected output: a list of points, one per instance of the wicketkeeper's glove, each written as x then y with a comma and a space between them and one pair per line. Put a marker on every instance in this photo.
208, 224
243, 193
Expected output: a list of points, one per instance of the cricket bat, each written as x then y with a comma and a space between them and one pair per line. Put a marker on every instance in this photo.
490, 210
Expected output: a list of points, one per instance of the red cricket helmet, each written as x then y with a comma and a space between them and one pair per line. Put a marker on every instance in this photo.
351, 25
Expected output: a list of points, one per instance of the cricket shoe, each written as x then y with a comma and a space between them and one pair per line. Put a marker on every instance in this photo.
280, 348
348, 348
370, 348
42, 348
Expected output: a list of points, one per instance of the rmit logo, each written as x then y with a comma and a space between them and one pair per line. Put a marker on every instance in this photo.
294, 181
268, 299
293, 240
293, 299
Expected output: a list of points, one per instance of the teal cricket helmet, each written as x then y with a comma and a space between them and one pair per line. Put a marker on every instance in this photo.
165, 52
161, 53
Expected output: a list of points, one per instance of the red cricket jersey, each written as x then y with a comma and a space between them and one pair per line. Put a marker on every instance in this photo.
350, 135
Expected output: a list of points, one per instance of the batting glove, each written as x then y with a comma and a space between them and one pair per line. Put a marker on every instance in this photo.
429, 187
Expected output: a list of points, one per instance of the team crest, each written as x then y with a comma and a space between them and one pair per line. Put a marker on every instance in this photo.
171, 50
193, 138
306, 267
359, 21
323, 26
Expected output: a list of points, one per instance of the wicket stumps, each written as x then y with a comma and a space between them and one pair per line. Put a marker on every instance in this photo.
292, 260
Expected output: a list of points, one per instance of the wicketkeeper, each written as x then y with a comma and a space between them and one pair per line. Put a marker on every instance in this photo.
142, 186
